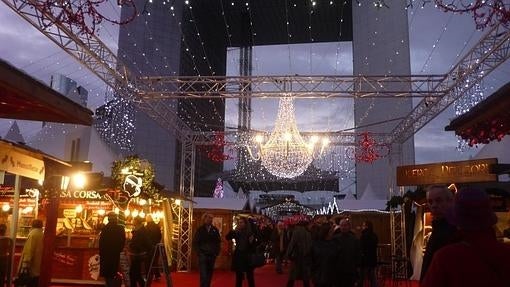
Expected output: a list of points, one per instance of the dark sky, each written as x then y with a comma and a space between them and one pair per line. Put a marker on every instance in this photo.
436, 40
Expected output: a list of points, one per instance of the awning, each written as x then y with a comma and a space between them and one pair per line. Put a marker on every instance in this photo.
24, 98
25, 161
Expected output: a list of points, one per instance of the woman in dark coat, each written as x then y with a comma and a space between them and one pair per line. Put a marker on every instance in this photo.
139, 246
111, 244
324, 253
368, 241
299, 252
245, 247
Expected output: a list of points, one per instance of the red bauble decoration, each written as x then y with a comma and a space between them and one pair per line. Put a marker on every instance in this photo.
369, 149
80, 16
216, 152
485, 13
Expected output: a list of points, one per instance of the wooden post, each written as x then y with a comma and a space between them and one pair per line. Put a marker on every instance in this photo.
14, 228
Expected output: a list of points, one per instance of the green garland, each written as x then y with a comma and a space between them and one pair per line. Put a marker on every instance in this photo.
136, 166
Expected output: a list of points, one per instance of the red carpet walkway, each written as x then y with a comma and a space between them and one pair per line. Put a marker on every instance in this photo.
264, 277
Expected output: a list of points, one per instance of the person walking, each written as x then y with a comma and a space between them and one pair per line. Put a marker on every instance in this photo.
111, 244
155, 236
206, 243
349, 255
324, 253
31, 256
5, 254
246, 244
477, 259
369, 243
278, 246
139, 246
439, 200
299, 253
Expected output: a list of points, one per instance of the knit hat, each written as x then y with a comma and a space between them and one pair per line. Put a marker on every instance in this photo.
472, 210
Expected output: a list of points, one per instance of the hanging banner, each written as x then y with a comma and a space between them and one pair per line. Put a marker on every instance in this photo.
447, 172
18, 163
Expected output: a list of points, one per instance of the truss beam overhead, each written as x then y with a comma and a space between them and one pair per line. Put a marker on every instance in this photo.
279, 86
92, 53
490, 52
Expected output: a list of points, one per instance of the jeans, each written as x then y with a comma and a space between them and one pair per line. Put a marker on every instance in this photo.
369, 275
278, 263
206, 267
135, 271
249, 277
306, 283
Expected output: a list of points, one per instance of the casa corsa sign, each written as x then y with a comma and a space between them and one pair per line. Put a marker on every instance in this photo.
80, 194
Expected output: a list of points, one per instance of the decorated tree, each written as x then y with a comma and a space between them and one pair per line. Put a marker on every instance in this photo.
134, 172
218, 189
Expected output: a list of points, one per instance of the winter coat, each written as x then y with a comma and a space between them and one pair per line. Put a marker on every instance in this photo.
140, 244
241, 259
32, 251
278, 243
299, 252
477, 260
369, 243
349, 253
324, 253
111, 244
206, 242
443, 233
154, 233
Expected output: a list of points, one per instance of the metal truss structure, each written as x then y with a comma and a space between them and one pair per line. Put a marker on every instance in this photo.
150, 93
188, 156
299, 86
492, 50
399, 259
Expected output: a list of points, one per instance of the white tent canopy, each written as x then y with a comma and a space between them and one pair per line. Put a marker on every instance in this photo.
234, 204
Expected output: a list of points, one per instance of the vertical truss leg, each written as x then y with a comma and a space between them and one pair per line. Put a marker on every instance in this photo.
186, 209
399, 259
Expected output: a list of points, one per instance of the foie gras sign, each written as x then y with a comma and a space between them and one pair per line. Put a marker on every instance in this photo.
447, 172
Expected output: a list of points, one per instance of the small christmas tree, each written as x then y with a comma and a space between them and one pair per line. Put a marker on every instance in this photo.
218, 190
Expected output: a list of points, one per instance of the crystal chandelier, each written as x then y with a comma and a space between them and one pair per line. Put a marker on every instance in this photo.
286, 154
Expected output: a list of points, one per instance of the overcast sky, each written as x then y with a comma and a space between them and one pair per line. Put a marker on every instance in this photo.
437, 40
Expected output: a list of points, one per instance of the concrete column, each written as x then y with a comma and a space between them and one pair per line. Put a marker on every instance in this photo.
381, 47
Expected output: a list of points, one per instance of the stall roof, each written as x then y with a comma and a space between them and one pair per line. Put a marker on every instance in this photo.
494, 107
25, 98
234, 204
4, 144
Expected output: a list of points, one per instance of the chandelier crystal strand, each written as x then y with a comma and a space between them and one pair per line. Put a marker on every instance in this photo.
286, 154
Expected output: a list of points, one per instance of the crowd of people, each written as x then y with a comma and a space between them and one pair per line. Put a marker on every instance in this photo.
462, 249
322, 251
141, 246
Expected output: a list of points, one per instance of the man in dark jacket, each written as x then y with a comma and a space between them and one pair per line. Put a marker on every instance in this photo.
154, 232
139, 246
111, 244
440, 201
206, 243
349, 255
369, 243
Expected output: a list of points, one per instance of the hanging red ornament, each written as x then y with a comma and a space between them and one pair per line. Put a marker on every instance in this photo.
80, 16
216, 152
369, 149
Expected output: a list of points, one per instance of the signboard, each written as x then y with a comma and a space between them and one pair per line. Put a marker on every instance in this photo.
21, 164
447, 172
69, 213
80, 194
